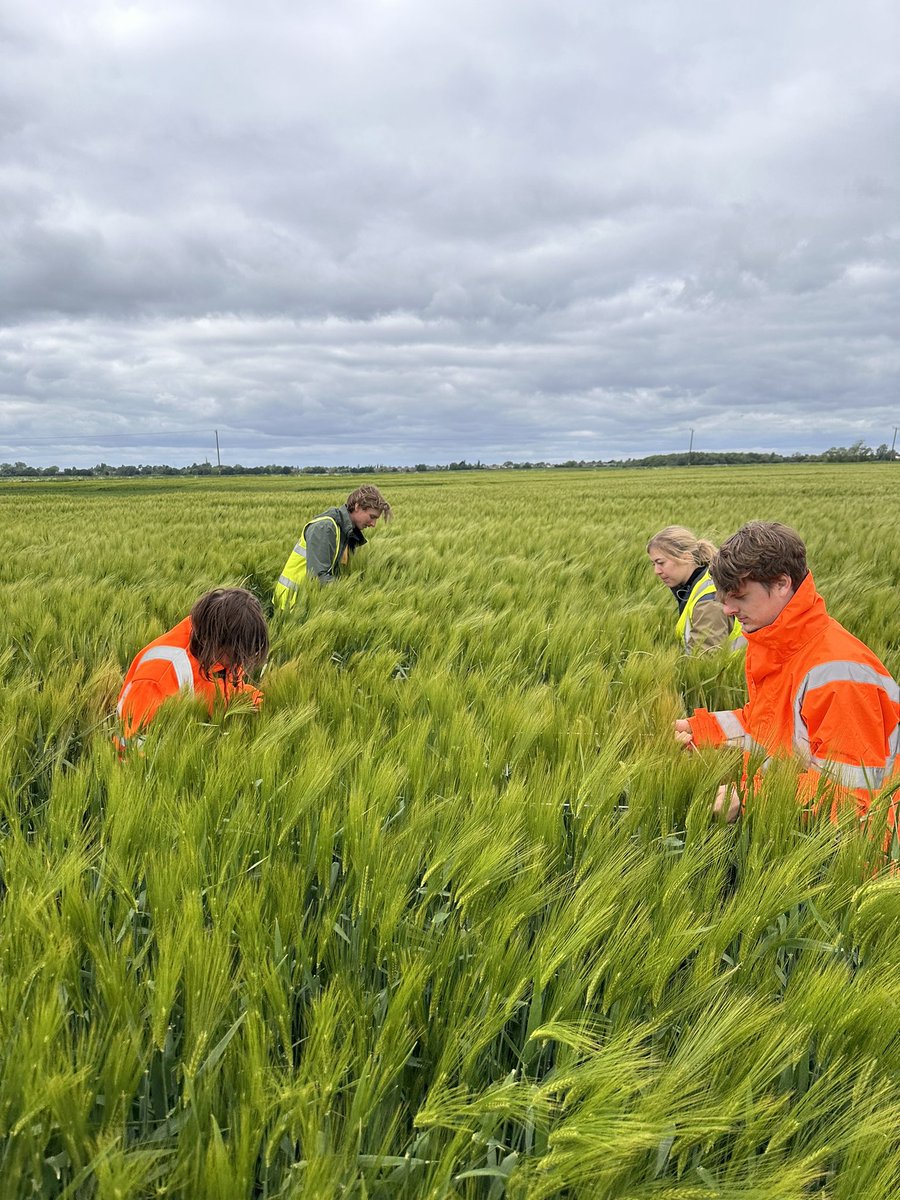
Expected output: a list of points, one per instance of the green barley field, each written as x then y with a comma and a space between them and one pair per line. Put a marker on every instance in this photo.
450, 917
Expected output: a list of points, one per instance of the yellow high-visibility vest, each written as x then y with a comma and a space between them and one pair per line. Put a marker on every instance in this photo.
285, 595
702, 588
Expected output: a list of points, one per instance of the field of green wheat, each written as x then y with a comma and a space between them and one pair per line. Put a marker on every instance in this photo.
450, 917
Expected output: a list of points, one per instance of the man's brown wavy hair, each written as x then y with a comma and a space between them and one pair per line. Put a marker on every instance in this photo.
761, 551
228, 630
368, 496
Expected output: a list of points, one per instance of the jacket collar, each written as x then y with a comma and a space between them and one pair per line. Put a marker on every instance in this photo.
682, 592
353, 535
802, 618
344, 520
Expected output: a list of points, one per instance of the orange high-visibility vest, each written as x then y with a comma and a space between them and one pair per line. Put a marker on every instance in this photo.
165, 668
816, 692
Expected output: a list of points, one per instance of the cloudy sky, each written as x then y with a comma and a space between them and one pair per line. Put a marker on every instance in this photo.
400, 231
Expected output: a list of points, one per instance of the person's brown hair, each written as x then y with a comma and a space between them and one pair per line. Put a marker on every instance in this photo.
679, 543
761, 551
368, 496
228, 629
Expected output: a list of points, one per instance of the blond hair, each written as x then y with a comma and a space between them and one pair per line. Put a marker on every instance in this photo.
368, 496
681, 544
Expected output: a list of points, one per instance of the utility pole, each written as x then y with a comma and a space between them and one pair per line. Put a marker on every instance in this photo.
218, 456
691, 448
894, 442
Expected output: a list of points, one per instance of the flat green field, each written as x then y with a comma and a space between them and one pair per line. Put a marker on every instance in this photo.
450, 916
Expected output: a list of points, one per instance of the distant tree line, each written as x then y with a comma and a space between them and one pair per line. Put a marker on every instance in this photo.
858, 452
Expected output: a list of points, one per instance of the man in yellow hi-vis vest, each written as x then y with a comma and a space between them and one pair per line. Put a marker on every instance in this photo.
328, 540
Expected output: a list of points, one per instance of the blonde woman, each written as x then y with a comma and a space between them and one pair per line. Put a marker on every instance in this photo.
681, 561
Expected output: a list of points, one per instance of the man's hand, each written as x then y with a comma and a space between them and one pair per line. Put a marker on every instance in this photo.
683, 734
728, 797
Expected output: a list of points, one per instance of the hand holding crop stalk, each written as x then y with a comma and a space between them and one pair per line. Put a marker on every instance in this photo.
728, 799
683, 734
728, 794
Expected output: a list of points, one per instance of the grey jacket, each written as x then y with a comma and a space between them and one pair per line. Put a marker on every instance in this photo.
323, 556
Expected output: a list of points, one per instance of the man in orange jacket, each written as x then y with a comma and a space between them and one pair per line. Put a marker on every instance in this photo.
205, 655
815, 691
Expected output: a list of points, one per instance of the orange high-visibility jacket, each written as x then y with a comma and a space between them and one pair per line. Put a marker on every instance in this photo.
815, 691
165, 668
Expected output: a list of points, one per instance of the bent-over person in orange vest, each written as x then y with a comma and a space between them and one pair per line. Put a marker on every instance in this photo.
815, 691
206, 654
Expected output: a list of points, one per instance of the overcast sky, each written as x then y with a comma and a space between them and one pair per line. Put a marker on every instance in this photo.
357, 231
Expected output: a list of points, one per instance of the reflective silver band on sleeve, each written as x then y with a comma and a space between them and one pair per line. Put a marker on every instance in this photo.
300, 550
179, 660
735, 733
288, 583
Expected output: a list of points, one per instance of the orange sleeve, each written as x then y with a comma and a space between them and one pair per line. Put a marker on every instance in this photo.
139, 705
705, 729
850, 726
849, 723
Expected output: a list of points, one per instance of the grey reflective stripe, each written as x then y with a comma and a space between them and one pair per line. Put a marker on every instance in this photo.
837, 671
301, 550
853, 777
179, 660
731, 726
121, 703
124, 743
738, 643
735, 732
846, 671
288, 583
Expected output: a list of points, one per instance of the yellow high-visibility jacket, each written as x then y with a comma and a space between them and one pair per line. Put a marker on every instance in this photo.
325, 544
702, 624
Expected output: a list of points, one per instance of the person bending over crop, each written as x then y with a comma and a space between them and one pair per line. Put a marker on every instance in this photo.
207, 654
327, 541
815, 691
681, 560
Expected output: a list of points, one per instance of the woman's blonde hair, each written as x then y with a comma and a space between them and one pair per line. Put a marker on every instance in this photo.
683, 545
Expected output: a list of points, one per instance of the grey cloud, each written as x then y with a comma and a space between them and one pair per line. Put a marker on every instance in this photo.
399, 227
